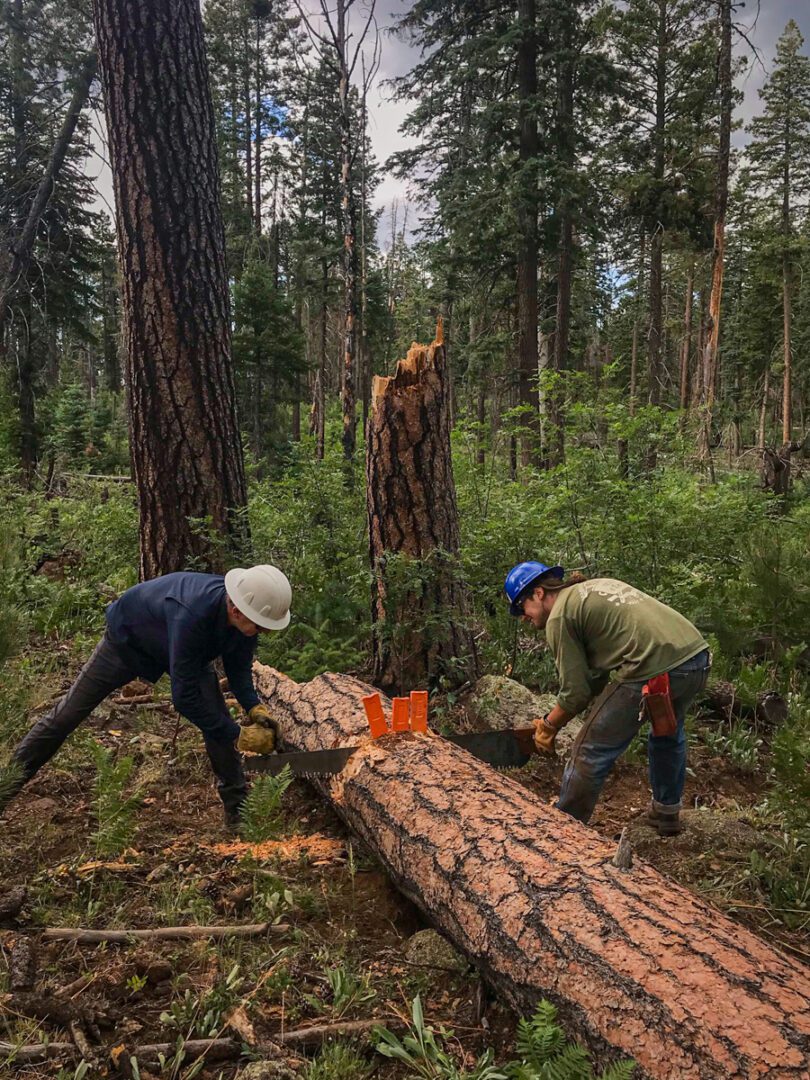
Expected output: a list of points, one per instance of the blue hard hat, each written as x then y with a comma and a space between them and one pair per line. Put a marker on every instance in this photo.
520, 577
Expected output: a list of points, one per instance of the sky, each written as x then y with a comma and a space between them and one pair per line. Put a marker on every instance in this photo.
761, 22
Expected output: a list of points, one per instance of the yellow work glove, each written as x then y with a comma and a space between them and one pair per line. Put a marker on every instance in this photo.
259, 733
544, 737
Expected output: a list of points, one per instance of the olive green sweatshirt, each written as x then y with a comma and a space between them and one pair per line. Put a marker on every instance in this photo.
605, 626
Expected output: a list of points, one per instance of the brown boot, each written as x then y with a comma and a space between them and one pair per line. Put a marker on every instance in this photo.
665, 817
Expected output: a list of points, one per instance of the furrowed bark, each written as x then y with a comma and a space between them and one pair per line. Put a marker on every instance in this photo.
639, 966
420, 629
186, 448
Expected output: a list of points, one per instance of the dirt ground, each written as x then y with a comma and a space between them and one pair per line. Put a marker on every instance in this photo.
341, 953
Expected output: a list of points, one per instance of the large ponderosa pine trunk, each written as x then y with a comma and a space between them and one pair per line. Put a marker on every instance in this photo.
420, 626
187, 454
639, 967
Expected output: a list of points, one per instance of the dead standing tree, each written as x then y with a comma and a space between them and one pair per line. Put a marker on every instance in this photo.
186, 449
419, 604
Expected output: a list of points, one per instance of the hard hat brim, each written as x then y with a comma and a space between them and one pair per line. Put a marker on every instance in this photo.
231, 579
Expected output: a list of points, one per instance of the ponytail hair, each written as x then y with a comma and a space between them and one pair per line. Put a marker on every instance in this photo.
554, 584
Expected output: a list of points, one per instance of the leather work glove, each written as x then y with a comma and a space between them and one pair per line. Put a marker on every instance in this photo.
259, 733
544, 737
260, 714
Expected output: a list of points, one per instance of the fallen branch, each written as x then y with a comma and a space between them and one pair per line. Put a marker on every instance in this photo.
33, 1053
164, 933
344, 1029
141, 700
212, 1049
80, 1039
73, 989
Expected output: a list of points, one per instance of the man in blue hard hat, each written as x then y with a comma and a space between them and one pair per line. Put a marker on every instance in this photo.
610, 643
179, 623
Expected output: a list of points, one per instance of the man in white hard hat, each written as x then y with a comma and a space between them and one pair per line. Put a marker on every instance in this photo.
179, 624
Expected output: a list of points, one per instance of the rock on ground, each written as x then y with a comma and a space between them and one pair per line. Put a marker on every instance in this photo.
496, 703
427, 948
267, 1070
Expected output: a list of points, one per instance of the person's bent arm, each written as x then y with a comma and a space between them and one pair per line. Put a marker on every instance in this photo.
187, 672
238, 664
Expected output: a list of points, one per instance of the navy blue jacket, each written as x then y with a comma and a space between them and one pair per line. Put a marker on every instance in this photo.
179, 623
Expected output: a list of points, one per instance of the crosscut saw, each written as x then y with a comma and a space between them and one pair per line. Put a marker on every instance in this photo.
502, 749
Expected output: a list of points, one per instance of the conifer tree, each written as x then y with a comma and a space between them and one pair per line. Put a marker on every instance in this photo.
779, 157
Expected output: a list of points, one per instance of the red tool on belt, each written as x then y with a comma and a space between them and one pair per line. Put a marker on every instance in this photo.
657, 700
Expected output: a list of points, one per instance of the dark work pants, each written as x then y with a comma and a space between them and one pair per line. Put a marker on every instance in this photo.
106, 671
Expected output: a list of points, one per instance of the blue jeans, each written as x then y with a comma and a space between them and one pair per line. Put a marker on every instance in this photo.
610, 725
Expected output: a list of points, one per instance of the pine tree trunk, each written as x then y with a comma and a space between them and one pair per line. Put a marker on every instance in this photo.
710, 357
787, 392
639, 967
420, 626
186, 448
763, 410
527, 227
258, 105
657, 240
686, 345
347, 215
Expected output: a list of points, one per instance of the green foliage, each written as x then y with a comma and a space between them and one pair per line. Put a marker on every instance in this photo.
201, 1016
423, 1051
337, 1061
11, 775
308, 523
783, 875
740, 744
80, 1072
790, 749
348, 990
261, 810
544, 1053
114, 810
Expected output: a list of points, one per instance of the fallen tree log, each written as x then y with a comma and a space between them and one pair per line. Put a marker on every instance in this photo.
721, 698
638, 966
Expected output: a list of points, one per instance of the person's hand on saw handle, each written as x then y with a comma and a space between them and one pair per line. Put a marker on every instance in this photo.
259, 734
546, 730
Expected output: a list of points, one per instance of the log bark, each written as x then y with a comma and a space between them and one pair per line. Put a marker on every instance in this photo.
420, 623
638, 966
186, 447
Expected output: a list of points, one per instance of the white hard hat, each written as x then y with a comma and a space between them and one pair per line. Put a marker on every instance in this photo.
262, 593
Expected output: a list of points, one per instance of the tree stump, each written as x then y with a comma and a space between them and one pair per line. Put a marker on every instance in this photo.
638, 966
420, 604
